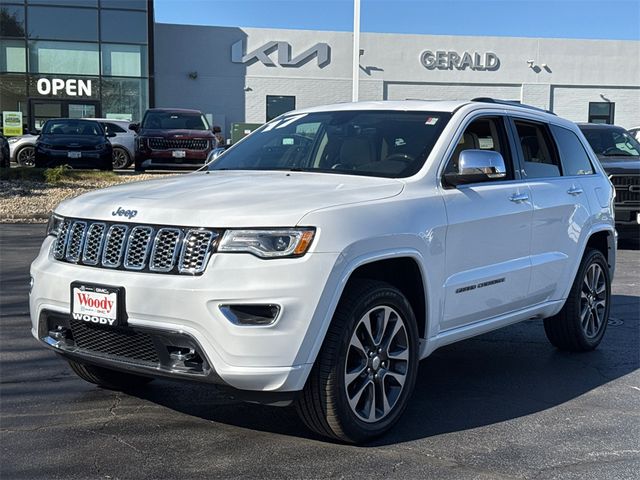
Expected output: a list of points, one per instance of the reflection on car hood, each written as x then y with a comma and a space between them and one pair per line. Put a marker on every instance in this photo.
230, 198
620, 164
70, 140
148, 132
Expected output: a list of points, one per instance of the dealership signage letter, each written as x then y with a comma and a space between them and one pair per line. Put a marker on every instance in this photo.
441, 60
70, 87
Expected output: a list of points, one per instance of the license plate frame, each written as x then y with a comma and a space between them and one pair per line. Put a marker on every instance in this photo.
179, 154
92, 314
74, 155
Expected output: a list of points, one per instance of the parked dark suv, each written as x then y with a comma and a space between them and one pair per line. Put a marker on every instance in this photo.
172, 138
619, 153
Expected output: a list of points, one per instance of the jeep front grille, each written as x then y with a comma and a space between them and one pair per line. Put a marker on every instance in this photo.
627, 188
178, 143
144, 248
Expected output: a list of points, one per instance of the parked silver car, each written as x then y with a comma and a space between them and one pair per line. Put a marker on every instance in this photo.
23, 147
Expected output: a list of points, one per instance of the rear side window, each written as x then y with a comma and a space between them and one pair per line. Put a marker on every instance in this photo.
113, 128
538, 151
574, 158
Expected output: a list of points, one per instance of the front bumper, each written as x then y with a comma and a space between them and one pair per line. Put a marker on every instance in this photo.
261, 358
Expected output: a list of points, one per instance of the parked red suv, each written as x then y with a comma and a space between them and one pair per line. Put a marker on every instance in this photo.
172, 138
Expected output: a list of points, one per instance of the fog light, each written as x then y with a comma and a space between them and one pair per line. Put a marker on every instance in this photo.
256, 314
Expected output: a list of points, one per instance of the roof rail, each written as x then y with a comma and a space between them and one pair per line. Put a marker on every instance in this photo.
509, 102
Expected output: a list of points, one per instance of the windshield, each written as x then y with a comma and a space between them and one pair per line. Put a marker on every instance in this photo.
612, 142
376, 143
175, 121
72, 127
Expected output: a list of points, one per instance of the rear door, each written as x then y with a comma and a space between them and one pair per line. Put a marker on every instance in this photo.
553, 167
488, 235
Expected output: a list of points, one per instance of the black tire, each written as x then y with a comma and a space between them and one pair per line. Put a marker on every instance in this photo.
121, 158
107, 378
567, 330
26, 156
323, 405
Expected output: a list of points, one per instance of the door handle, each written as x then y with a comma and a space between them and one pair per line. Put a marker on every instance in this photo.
519, 197
575, 190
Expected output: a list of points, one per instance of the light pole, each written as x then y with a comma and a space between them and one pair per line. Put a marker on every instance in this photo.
356, 50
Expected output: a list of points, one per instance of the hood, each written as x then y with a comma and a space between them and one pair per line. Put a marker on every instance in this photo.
229, 198
149, 132
72, 140
620, 164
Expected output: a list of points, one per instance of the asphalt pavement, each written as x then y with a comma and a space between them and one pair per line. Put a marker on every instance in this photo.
505, 405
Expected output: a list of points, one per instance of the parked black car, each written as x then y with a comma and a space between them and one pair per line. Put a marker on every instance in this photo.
73, 142
619, 154
5, 157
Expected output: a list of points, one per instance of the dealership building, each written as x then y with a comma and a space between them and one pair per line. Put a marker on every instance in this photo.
108, 58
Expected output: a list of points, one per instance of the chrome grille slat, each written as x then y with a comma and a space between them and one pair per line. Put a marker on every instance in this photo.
75, 241
142, 248
195, 251
114, 246
138, 248
60, 244
93, 243
166, 247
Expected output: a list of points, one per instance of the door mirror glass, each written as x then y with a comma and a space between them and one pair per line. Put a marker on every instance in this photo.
110, 134
477, 166
134, 126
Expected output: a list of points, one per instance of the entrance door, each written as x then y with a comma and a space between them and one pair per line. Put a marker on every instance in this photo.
42, 110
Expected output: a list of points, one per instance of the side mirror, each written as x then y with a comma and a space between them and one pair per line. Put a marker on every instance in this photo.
134, 126
34, 131
477, 166
213, 154
110, 134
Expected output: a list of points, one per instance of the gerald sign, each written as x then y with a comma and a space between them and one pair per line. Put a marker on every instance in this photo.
449, 60
70, 87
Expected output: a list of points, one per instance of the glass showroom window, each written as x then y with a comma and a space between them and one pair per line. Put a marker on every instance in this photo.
13, 92
124, 99
64, 57
12, 21
279, 104
124, 60
70, 3
601, 112
13, 56
45, 22
124, 4
119, 26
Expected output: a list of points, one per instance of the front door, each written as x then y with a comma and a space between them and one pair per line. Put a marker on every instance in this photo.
42, 110
488, 269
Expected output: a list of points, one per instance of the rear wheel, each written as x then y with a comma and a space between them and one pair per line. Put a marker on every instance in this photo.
366, 370
121, 158
26, 156
107, 378
581, 323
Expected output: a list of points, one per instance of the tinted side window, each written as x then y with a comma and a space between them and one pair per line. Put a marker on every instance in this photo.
573, 156
113, 128
538, 151
487, 133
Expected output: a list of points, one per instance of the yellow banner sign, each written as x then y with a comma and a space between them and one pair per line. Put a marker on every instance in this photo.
12, 124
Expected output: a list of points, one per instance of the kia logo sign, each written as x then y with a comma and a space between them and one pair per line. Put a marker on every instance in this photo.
70, 87
321, 51
441, 60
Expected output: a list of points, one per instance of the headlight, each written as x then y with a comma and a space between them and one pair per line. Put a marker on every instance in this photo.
13, 139
276, 243
53, 227
101, 146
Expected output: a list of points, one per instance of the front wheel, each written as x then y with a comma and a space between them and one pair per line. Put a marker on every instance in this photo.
580, 325
365, 373
26, 156
121, 158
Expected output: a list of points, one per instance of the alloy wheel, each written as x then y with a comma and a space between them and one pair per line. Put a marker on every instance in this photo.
593, 301
377, 364
120, 158
26, 157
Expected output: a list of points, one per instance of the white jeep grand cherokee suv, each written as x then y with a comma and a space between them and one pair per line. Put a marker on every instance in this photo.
318, 260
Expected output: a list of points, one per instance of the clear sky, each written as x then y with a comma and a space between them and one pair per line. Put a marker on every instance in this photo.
611, 19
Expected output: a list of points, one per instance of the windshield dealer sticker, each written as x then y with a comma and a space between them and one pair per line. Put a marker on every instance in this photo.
431, 121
